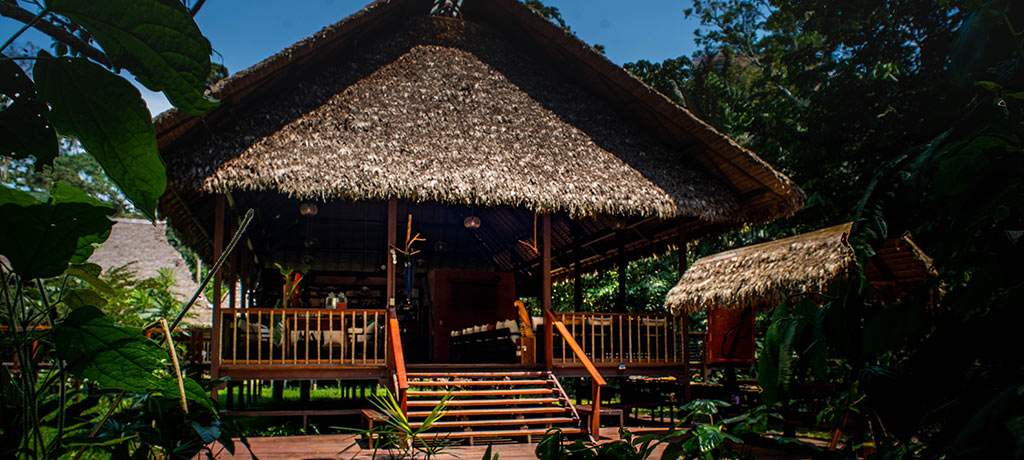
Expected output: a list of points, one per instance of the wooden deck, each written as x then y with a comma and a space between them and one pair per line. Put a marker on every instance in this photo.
342, 447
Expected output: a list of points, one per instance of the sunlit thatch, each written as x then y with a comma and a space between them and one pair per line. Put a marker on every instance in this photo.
765, 274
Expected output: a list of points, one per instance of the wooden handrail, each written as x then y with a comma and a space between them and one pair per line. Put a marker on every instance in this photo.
278, 311
614, 313
569, 340
397, 361
524, 316
597, 381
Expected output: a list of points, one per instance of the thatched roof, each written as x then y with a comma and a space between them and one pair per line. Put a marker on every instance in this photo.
142, 247
765, 274
499, 107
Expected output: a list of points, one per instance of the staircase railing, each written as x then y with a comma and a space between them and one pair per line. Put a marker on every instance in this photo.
596, 381
396, 360
624, 338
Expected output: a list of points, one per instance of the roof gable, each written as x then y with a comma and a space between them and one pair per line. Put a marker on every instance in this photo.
445, 111
639, 180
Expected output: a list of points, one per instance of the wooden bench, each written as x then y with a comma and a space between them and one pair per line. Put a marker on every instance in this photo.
369, 417
587, 411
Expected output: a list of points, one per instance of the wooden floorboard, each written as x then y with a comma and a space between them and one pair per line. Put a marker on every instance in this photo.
341, 447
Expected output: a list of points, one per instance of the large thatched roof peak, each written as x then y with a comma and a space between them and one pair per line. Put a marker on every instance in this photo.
499, 107
763, 275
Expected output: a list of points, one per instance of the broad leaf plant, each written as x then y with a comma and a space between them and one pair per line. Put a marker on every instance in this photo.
74, 380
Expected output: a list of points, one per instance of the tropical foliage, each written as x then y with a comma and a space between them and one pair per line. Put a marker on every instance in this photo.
81, 382
903, 116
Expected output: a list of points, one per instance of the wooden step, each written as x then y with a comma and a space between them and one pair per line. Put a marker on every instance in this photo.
524, 391
494, 434
460, 383
498, 422
478, 374
482, 402
501, 411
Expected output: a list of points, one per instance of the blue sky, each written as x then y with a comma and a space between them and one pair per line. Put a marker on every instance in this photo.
246, 32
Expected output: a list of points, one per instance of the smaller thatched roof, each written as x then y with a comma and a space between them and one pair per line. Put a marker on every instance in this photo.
142, 246
765, 274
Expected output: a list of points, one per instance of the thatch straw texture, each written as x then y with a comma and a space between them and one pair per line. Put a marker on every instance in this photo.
445, 111
764, 274
142, 247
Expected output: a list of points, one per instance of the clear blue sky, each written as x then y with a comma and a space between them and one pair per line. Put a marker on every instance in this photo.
246, 32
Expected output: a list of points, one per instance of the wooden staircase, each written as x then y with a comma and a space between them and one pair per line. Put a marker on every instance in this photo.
496, 406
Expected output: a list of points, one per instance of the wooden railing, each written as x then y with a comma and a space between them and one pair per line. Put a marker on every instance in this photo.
596, 381
292, 336
622, 338
396, 360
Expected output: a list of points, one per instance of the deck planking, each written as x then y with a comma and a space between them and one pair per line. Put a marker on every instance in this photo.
342, 447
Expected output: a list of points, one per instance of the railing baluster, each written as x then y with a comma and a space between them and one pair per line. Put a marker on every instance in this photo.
234, 337
248, 338
365, 338
593, 348
647, 325
629, 329
665, 323
344, 334
330, 330
564, 358
259, 339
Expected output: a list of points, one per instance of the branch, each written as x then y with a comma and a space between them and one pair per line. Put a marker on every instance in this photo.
61, 35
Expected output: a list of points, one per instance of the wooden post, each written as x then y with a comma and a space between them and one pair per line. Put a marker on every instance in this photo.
595, 419
577, 279
621, 265
545, 290
218, 249
684, 317
392, 228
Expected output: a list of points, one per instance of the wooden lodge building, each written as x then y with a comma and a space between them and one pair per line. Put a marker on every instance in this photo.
517, 153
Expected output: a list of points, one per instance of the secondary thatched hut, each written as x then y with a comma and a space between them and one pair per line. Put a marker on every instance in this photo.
142, 248
765, 274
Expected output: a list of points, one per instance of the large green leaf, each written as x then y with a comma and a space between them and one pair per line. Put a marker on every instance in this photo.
10, 195
108, 115
90, 273
41, 239
24, 129
157, 40
118, 358
62, 193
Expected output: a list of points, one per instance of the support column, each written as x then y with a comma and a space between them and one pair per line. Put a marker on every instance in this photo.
684, 317
545, 289
390, 263
218, 249
621, 265
577, 278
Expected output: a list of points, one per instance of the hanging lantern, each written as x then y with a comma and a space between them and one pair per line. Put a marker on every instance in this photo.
308, 209
472, 222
